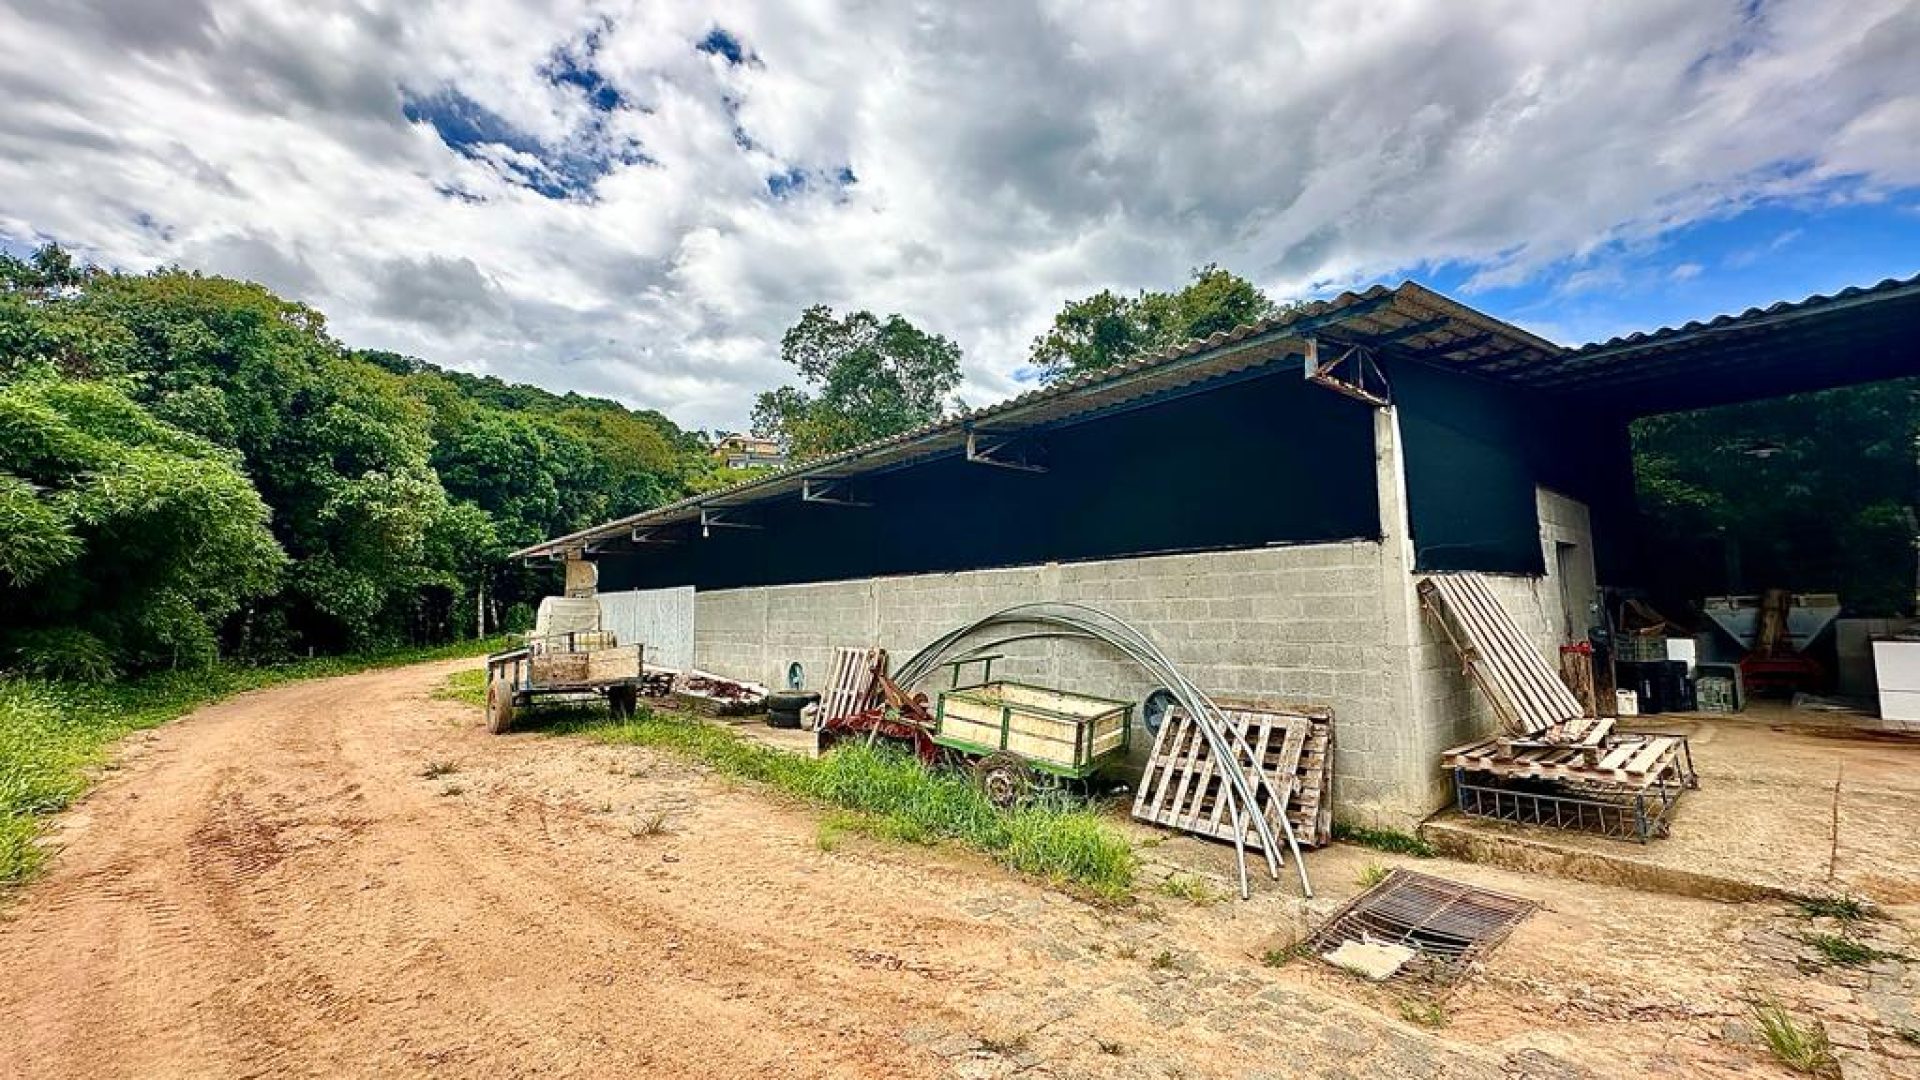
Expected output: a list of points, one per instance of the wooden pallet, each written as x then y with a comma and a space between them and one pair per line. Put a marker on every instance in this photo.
1182, 786
1311, 809
850, 682
1633, 762
1526, 693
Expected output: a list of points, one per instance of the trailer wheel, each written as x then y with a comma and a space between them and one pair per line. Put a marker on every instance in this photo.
622, 701
499, 706
1003, 778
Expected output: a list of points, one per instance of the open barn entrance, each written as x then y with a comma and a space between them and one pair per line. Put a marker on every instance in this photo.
1784, 527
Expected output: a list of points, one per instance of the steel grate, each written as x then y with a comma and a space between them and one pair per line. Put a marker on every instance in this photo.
1447, 924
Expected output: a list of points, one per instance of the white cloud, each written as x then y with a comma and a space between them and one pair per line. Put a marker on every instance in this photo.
1007, 157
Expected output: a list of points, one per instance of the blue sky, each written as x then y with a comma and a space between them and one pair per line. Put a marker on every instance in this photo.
635, 198
1754, 258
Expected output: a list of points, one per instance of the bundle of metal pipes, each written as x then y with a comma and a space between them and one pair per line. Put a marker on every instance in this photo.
1224, 740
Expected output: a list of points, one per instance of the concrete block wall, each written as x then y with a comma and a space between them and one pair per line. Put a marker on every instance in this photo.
1300, 623
1336, 624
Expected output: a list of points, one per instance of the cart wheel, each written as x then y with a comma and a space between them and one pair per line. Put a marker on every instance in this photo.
499, 707
1003, 778
621, 700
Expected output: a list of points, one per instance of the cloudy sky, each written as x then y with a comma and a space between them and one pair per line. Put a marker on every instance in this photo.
635, 199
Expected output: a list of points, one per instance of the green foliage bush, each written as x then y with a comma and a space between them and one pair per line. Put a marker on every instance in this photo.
519, 619
192, 466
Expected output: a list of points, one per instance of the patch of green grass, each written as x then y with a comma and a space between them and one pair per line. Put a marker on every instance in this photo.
890, 795
1162, 961
1846, 908
1802, 1048
1191, 888
1844, 951
54, 735
1388, 840
1372, 874
654, 824
1427, 1014
1274, 958
465, 687
434, 770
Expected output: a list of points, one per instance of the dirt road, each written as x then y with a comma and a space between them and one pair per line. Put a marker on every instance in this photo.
274, 886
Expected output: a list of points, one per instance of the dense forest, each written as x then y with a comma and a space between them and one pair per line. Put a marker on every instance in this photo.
190, 466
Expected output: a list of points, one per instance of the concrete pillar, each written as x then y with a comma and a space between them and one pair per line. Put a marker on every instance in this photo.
1406, 760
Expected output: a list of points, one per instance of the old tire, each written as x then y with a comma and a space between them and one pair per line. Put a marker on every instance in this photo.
790, 702
1004, 779
499, 707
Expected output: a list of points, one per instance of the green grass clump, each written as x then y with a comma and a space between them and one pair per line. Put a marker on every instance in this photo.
1372, 874
1845, 908
1281, 957
1804, 1049
54, 734
1845, 951
465, 687
1427, 1014
1193, 889
1388, 840
890, 795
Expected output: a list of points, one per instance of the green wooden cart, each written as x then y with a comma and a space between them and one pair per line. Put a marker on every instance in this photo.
1023, 736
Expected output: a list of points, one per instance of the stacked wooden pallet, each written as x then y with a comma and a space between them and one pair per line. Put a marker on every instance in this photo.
1634, 762
1548, 734
1183, 786
850, 682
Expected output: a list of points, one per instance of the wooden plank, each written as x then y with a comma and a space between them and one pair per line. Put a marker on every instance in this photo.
1644, 760
1153, 782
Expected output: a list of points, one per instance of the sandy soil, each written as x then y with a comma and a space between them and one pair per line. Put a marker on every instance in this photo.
274, 887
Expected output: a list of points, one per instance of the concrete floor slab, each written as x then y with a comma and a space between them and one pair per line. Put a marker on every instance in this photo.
1790, 803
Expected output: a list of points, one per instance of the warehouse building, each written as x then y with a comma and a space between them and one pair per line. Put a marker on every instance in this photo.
1262, 503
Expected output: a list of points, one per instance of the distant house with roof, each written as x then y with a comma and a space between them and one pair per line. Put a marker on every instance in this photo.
748, 452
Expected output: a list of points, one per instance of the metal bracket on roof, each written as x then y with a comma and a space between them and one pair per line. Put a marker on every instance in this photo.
652, 536
828, 491
721, 517
1017, 452
1362, 379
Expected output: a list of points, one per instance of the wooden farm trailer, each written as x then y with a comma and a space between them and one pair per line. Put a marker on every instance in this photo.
557, 665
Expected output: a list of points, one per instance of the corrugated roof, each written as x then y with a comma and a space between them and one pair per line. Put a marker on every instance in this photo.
1688, 366
1753, 317
1408, 318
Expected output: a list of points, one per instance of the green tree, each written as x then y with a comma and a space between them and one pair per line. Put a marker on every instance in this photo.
123, 536
1101, 330
1813, 492
864, 378
396, 487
